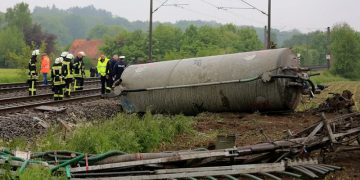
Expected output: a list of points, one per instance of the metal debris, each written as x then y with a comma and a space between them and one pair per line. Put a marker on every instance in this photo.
338, 103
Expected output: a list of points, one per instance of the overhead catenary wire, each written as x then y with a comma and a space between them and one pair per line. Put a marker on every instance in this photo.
254, 7
226, 9
201, 13
162, 4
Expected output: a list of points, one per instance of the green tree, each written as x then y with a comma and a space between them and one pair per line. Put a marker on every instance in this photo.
248, 40
345, 48
19, 16
103, 31
11, 42
166, 39
130, 44
308, 56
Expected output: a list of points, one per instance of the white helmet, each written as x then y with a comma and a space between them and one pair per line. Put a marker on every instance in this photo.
63, 54
70, 56
35, 52
122, 57
81, 53
58, 60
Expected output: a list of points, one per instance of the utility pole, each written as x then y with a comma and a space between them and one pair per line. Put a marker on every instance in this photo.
269, 25
150, 31
265, 37
151, 21
328, 56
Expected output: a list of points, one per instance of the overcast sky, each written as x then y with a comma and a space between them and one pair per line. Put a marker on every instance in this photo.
305, 15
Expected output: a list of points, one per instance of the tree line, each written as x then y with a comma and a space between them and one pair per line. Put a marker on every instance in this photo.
170, 42
49, 28
343, 45
19, 35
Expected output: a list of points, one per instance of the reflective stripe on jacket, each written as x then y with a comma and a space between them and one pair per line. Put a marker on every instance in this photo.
57, 74
67, 69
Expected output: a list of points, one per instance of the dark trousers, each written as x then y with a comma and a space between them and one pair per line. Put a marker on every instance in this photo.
32, 87
67, 88
103, 84
110, 81
58, 92
79, 83
45, 81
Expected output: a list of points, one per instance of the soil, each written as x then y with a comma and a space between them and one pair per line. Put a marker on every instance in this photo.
247, 130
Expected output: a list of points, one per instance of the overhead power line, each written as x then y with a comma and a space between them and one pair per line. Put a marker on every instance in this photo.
227, 10
254, 7
162, 4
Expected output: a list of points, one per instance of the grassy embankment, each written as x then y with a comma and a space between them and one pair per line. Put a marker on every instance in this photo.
125, 132
326, 77
20, 75
12, 75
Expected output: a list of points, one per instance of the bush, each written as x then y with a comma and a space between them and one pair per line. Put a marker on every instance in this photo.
128, 133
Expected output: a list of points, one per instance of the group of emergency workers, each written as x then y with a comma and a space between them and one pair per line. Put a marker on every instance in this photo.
64, 72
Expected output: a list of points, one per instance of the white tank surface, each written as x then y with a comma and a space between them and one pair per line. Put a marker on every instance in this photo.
267, 80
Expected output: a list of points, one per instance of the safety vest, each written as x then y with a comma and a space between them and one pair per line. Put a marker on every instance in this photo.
68, 70
57, 75
101, 66
45, 64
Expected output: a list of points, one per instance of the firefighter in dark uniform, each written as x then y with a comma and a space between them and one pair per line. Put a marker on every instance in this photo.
57, 76
68, 73
32, 73
79, 71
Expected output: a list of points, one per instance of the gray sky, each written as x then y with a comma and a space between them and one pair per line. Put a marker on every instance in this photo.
305, 15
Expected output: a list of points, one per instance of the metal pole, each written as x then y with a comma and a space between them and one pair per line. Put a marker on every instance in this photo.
265, 37
269, 25
150, 31
328, 56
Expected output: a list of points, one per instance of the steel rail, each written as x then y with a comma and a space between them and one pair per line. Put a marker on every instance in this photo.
17, 86
10, 100
29, 105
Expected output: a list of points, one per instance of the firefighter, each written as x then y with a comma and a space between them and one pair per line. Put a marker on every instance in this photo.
79, 71
104, 74
63, 55
32, 73
68, 73
57, 77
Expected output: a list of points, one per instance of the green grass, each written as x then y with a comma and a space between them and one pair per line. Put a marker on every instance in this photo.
20, 75
125, 132
12, 75
325, 77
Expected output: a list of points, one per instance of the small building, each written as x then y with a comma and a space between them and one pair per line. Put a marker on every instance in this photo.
90, 47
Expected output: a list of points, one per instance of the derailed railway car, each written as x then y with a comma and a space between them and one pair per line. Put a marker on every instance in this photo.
267, 80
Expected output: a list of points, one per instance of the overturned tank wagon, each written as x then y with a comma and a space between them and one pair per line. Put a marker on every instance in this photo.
267, 80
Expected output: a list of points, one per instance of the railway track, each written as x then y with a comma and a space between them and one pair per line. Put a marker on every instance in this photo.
16, 87
15, 104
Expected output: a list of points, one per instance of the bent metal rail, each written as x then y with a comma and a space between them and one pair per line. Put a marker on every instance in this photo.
8, 87
19, 103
